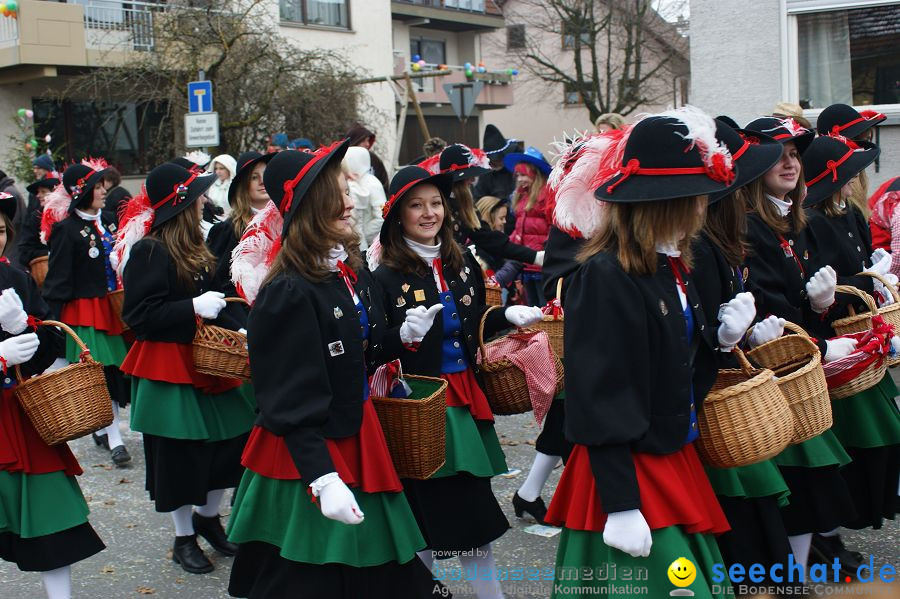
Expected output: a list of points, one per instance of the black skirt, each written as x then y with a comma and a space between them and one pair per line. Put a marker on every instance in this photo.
872, 479
455, 513
49, 552
757, 534
819, 501
181, 471
119, 387
259, 572
552, 440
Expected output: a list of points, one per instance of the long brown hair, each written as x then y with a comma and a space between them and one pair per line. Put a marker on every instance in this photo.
758, 202
397, 255
10, 234
313, 233
467, 212
725, 226
632, 231
242, 208
832, 206
183, 239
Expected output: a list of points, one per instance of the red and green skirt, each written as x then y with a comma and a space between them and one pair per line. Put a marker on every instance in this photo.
98, 326
676, 500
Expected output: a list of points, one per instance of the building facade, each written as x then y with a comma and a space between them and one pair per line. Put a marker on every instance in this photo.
748, 56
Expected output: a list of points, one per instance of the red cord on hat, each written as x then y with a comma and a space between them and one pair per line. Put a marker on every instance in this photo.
830, 167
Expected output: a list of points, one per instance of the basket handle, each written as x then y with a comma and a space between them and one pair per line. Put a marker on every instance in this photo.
85, 352
790, 326
743, 362
850, 290
559, 283
228, 300
481, 329
884, 282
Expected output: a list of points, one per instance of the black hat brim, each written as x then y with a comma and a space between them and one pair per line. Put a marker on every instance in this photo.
861, 127
755, 163
643, 188
196, 188
826, 188
243, 172
46, 182
470, 172
87, 191
314, 171
443, 181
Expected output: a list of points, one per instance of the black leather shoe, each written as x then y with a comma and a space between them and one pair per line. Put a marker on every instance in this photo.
825, 549
120, 455
536, 508
187, 552
100, 440
211, 530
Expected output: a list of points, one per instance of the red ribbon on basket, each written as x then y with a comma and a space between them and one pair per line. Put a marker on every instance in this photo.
554, 309
872, 346
33, 322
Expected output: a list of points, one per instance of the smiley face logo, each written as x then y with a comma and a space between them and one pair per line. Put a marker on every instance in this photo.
682, 572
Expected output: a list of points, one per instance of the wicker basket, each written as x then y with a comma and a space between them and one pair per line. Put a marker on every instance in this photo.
415, 428
745, 418
504, 383
221, 352
492, 295
116, 299
38, 269
797, 363
67, 403
856, 323
891, 313
553, 326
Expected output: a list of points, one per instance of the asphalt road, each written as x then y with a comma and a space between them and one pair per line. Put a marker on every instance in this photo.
137, 561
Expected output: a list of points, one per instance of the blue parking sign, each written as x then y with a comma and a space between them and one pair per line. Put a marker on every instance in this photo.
200, 96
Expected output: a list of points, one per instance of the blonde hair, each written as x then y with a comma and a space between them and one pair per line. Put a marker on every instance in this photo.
613, 119
633, 230
467, 214
758, 202
486, 207
538, 180
313, 233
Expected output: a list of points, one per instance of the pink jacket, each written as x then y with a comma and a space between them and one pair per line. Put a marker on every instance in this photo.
532, 226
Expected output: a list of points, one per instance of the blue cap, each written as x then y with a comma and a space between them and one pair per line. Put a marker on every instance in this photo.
43, 161
302, 142
280, 140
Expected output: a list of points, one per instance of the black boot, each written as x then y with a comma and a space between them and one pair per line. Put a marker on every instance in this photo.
824, 549
100, 440
188, 553
120, 455
211, 530
536, 508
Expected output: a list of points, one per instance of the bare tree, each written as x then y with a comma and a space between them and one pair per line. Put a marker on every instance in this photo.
616, 55
263, 82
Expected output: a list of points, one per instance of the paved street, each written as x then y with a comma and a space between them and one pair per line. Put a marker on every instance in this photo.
137, 561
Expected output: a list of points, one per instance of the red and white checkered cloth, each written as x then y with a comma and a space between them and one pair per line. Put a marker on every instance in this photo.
872, 346
530, 351
386, 375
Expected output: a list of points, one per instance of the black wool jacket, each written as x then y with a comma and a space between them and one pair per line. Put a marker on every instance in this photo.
399, 292
51, 338
310, 364
158, 306
29, 245
630, 369
72, 272
560, 261
495, 243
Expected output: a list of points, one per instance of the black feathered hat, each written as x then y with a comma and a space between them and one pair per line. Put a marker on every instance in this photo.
753, 153
246, 162
782, 130
840, 119
80, 179
462, 162
171, 189
402, 182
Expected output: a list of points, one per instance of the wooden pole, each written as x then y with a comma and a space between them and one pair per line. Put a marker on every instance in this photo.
418, 109
401, 127
404, 76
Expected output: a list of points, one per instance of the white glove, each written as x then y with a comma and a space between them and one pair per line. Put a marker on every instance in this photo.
882, 267
539, 258
895, 344
882, 292
13, 318
628, 531
820, 289
838, 348
878, 255
736, 316
418, 322
523, 316
766, 330
19, 349
209, 304
336, 499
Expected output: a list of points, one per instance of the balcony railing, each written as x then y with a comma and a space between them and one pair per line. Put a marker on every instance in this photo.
9, 31
466, 5
119, 25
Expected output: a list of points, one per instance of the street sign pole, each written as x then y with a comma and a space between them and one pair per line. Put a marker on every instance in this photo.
462, 98
201, 124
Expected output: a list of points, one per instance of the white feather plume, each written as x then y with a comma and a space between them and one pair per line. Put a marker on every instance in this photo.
701, 133
254, 253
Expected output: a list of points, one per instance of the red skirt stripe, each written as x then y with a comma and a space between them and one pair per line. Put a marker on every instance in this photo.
23, 450
674, 491
172, 363
361, 461
463, 391
94, 312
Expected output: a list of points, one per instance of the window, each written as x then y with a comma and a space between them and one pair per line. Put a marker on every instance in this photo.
432, 52
849, 56
570, 29
328, 13
515, 37
573, 95
124, 133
